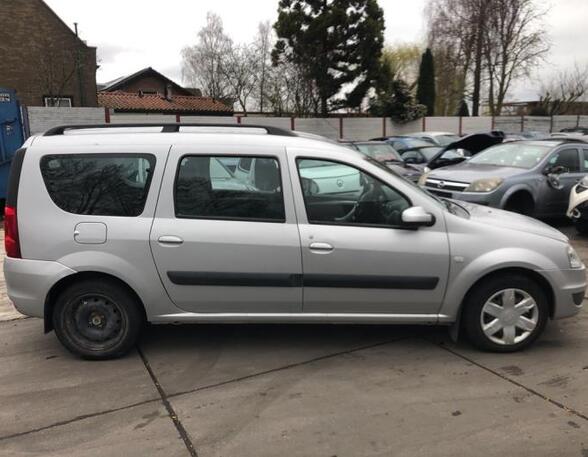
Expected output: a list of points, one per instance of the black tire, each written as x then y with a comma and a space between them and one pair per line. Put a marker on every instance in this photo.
521, 203
473, 305
97, 319
581, 226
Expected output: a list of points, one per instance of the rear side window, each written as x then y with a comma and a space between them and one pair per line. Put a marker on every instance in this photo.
99, 184
206, 189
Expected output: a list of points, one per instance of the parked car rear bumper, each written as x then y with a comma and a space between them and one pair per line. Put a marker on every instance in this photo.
29, 281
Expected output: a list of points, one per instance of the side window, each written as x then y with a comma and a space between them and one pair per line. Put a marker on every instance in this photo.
98, 184
340, 194
206, 189
585, 156
568, 158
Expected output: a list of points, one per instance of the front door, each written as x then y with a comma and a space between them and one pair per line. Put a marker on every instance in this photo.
357, 257
222, 245
557, 199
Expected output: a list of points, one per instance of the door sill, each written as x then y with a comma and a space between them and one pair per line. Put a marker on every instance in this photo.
301, 318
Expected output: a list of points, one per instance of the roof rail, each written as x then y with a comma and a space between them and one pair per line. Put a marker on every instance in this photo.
168, 127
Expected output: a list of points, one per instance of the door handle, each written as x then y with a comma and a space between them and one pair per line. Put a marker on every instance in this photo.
170, 239
321, 247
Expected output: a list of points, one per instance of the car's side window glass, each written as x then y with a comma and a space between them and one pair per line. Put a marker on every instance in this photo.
98, 184
339, 194
567, 158
206, 189
585, 155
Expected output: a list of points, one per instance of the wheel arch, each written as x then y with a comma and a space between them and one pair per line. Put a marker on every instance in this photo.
531, 274
514, 191
66, 281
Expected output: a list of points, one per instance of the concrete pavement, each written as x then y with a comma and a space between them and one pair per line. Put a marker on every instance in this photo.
296, 391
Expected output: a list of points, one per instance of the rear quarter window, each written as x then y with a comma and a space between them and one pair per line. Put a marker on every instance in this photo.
98, 184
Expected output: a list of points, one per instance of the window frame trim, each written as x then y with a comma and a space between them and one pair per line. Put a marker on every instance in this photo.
150, 157
58, 97
346, 224
220, 218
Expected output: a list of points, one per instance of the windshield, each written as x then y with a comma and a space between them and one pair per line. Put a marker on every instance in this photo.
416, 187
379, 152
413, 143
445, 140
518, 155
430, 152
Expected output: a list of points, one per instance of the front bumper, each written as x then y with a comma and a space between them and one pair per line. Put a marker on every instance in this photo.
569, 288
29, 281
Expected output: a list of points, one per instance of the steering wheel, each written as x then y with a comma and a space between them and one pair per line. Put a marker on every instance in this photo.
368, 193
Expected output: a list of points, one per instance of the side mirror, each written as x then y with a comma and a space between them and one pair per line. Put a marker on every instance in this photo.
411, 160
416, 216
555, 170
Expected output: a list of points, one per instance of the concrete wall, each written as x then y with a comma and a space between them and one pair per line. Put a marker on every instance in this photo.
41, 119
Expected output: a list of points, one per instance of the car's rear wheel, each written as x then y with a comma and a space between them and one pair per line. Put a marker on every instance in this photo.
505, 313
97, 319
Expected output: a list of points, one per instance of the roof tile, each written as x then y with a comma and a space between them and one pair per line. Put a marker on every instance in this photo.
149, 102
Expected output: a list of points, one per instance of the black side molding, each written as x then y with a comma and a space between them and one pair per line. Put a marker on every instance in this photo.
371, 282
193, 278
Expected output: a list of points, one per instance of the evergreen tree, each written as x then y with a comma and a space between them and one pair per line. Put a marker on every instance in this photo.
394, 99
463, 111
426, 82
336, 42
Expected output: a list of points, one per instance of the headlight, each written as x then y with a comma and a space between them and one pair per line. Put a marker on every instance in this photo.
584, 181
423, 179
574, 258
484, 185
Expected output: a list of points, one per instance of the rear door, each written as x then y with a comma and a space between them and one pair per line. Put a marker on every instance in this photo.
222, 245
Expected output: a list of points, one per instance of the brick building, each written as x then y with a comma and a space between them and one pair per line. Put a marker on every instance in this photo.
43, 59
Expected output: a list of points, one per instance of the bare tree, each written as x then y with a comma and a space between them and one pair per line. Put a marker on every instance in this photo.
263, 46
490, 44
515, 43
203, 62
563, 90
240, 69
56, 69
403, 60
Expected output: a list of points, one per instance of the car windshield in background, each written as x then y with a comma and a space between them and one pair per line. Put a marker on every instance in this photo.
517, 155
380, 152
429, 152
446, 140
413, 143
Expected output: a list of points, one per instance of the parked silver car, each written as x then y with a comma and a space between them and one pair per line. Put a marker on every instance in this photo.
105, 232
528, 177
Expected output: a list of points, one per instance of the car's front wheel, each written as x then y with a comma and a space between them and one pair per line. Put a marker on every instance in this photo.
97, 319
505, 313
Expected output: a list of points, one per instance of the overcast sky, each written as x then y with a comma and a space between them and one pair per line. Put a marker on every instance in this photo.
133, 34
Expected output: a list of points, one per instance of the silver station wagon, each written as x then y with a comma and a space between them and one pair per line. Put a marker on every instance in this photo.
110, 227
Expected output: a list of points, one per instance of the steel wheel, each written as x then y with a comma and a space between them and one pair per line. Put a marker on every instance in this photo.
509, 317
95, 321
